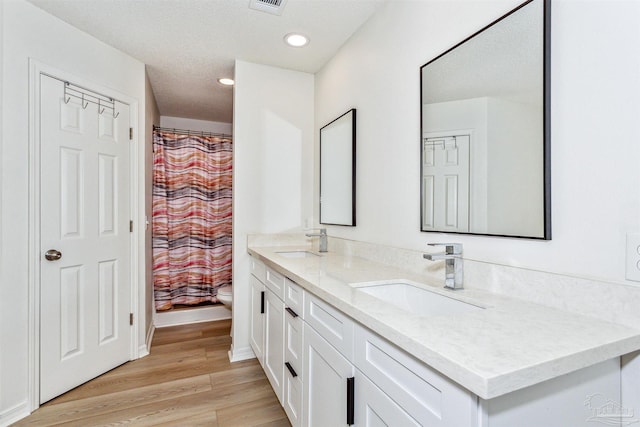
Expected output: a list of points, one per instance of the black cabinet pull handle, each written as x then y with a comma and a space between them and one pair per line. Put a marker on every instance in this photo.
291, 370
350, 399
262, 302
291, 312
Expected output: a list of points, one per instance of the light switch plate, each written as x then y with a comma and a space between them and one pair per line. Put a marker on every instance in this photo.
633, 257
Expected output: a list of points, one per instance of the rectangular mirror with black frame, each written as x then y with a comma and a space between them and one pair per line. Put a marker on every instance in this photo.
485, 130
338, 171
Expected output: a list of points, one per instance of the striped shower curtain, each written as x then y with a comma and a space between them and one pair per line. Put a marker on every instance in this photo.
191, 218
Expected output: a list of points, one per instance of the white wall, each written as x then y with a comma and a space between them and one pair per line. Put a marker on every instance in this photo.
193, 124
31, 33
152, 117
515, 178
595, 111
272, 169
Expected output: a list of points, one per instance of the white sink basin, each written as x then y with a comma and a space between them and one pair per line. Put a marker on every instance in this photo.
297, 254
415, 299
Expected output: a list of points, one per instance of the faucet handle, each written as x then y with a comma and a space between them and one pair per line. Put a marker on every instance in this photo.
450, 248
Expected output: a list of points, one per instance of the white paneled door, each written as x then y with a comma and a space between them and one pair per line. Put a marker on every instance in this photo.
85, 238
445, 183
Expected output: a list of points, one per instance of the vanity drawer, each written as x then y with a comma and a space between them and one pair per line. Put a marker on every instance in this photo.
275, 281
294, 298
257, 268
330, 323
429, 397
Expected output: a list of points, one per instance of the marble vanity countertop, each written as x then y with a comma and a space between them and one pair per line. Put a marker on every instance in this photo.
509, 345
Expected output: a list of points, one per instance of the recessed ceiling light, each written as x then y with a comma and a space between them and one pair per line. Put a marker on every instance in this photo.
225, 81
296, 40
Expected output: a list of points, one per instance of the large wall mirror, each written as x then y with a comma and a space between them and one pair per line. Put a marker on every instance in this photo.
337, 171
485, 131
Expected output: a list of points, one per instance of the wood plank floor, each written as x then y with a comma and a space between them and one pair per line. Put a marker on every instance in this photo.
187, 380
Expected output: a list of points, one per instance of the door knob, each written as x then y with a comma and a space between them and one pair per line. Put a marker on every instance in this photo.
53, 255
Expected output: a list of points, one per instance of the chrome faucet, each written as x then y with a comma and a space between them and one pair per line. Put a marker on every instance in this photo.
323, 238
453, 263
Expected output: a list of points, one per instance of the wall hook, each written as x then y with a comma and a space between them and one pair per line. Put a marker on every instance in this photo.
84, 105
66, 97
115, 116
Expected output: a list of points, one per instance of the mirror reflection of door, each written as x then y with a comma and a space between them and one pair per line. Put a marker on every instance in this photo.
445, 183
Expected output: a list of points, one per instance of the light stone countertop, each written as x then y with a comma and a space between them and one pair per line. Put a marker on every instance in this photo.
509, 345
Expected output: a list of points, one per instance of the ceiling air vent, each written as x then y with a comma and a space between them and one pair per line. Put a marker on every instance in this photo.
273, 7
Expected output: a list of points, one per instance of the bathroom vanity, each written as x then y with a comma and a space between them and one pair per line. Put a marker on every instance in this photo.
341, 347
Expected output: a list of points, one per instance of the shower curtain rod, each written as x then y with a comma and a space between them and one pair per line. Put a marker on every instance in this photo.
191, 132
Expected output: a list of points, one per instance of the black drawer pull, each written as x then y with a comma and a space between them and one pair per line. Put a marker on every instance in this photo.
350, 400
291, 370
262, 302
291, 312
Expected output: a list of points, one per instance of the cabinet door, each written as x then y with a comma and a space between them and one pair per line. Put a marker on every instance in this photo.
373, 408
274, 342
293, 333
257, 318
326, 377
293, 377
430, 398
292, 397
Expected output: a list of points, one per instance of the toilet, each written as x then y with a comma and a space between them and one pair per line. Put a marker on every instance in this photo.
225, 296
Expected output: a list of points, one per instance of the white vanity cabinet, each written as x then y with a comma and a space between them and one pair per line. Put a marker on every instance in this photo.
276, 334
329, 370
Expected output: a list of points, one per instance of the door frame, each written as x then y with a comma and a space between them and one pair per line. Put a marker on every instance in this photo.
37, 68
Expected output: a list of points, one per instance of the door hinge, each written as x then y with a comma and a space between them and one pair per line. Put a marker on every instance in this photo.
131, 226
130, 134
131, 319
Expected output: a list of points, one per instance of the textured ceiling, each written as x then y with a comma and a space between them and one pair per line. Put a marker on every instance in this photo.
506, 60
188, 44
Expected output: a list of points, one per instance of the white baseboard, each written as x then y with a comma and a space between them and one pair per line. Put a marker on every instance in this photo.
14, 414
145, 348
193, 315
244, 353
